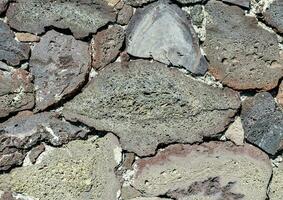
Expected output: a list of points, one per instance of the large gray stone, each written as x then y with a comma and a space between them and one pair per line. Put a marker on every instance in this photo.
273, 15
60, 65
163, 32
81, 17
147, 104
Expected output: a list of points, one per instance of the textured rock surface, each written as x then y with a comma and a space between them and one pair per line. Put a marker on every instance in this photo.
279, 96
60, 65
276, 186
12, 51
178, 45
138, 2
263, 122
235, 132
149, 198
27, 37
3, 5
242, 3
106, 46
20, 133
81, 170
242, 55
125, 13
147, 103
274, 15
16, 91
35, 15
211, 171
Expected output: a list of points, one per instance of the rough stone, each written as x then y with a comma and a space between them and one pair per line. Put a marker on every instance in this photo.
3, 5
276, 185
178, 45
147, 104
106, 46
81, 17
273, 15
137, 3
27, 37
263, 122
242, 55
25, 130
213, 171
242, 3
149, 198
279, 96
16, 91
35, 153
12, 51
189, 1
112, 2
60, 65
81, 170
128, 193
124, 14
235, 132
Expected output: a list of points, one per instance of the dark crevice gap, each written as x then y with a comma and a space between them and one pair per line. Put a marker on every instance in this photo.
201, 2
232, 4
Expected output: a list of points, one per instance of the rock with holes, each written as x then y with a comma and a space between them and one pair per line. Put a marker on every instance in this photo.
213, 171
81, 17
3, 5
60, 65
242, 54
242, 3
147, 104
80, 170
178, 45
276, 185
263, 122
16, 91
106, 46
273, 15
25, 130
12, 51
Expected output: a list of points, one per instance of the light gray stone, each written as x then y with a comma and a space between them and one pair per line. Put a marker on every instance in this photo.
273, 15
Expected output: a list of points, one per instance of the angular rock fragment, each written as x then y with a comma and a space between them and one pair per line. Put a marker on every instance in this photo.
106, 46
124, 14
27, 37
276, 185
235, 132
35, 153
12, 51
16, 91
263, 122
178, 43
60, 65
242, 3
242, 55
25, 130
147, 104
273, 15
81, 170
213, 171
3, 5
81, 17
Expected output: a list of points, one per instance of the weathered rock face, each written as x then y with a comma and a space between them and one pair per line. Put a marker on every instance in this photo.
242, 55
242, 3
16, 91
106, 46
211, 171
81, 170
60, 65
178, 43
276, 185
263, 123
20, 133
12, 51
274, 15
147, 103
35, 15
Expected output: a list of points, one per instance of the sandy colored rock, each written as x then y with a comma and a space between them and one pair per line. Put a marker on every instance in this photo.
276, 185
273, 15
279, 96
209, 171
112, 2
129, 193
27, 37
235, 132
60, 65
80, 170
147, 104
242, 54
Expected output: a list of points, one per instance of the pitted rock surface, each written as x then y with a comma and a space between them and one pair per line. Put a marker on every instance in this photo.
242, 55
276, 185
178, 43
81, 17
211, 171
60, 65
147, 104
80, 170
274, 15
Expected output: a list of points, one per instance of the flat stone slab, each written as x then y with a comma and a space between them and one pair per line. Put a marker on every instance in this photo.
263, 122
12, 51
82, 18
147, 104
276, 185
80, 170
273, 15
60, 65
210, 171
242, 54
178, 45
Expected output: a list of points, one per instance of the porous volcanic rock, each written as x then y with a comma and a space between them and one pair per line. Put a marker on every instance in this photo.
178, 43
81, 17
273, 15
25, 130
16, 91
213, 171
80, 170
276, 185
147, 104
12, 51
60, 65
242, 54
263, 122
